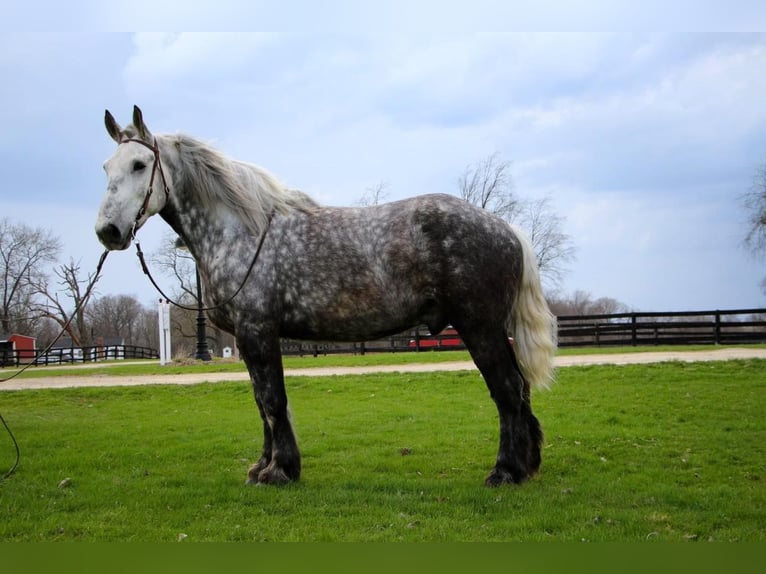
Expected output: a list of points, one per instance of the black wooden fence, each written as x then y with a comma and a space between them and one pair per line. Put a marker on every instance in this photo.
729, 327
63, 355
683, 328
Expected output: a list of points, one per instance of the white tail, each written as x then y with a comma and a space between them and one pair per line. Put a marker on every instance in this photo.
532, 325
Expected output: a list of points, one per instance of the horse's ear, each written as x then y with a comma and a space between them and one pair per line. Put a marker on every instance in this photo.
138, 123
112, 127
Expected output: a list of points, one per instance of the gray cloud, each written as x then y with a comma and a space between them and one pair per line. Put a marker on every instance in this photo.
642, 141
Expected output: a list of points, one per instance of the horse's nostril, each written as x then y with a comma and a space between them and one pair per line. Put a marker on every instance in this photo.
109, 234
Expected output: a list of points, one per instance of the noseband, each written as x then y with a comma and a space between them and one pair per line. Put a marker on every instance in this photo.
156, 166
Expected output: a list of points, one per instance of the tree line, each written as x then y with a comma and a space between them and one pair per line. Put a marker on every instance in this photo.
40, 296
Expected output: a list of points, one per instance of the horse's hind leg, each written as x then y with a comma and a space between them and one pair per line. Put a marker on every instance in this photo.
280, 459
518, 456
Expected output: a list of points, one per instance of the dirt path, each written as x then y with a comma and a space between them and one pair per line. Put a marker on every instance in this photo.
191, 379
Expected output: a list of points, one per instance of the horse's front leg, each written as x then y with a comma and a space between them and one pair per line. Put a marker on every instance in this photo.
280, 460
263, 462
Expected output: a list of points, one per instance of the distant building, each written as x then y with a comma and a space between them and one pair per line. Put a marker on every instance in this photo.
64, 351
110, 348
16, 349
103, 348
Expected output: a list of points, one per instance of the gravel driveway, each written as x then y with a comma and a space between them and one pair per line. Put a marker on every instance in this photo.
191, 379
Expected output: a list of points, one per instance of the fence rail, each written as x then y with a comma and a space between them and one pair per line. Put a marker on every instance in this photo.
682, 328
65, 355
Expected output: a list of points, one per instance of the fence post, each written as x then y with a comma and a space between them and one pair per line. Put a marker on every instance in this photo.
717, 328
633, 333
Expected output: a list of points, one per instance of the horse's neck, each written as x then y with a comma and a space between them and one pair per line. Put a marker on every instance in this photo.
201, 231
196, 224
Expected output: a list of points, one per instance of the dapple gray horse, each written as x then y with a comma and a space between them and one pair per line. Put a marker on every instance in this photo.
274, 263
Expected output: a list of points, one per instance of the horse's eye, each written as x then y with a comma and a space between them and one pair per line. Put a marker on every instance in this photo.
138, 165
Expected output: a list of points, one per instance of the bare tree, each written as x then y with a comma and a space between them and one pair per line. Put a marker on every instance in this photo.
72, 287
46, 331
582, 303
754, 202
117, 316
146, 330
374, 195
175, 262
554, 248
488, 184
24, 254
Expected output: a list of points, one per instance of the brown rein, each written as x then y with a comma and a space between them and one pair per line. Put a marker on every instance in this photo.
157, 166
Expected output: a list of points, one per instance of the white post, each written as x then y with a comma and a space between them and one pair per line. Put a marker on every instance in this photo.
168, 352
160, 322
164, 324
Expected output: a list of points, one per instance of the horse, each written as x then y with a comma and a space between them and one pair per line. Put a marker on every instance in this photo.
274, 263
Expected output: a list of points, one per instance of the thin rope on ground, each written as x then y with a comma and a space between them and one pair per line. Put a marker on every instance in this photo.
82, 303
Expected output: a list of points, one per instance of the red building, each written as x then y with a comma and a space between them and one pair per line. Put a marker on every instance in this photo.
15, 349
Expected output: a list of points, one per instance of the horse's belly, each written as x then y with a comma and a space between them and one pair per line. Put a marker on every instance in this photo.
360, 319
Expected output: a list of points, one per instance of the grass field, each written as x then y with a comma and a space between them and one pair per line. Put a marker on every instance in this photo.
671, 452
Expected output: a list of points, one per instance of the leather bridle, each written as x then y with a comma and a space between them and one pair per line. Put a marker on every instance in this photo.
156, 166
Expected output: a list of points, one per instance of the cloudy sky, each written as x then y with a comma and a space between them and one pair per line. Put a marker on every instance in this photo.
643, 142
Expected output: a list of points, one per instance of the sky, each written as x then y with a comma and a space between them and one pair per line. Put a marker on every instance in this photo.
644, 142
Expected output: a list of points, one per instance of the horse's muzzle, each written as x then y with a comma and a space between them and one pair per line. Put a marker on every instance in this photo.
112, 238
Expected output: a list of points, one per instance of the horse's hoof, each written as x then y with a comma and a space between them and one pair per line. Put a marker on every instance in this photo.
498, 477
270, 474
255, 470
273, 475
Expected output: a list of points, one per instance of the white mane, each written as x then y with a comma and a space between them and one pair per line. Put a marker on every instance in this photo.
249, 191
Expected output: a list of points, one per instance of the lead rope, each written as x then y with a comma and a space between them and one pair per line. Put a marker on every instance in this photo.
145, 268
157, 166
16, 446
82, 303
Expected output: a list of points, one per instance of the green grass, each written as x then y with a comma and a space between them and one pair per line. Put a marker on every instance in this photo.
671, 452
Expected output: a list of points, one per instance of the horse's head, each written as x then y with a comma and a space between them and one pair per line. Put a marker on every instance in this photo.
136, 188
